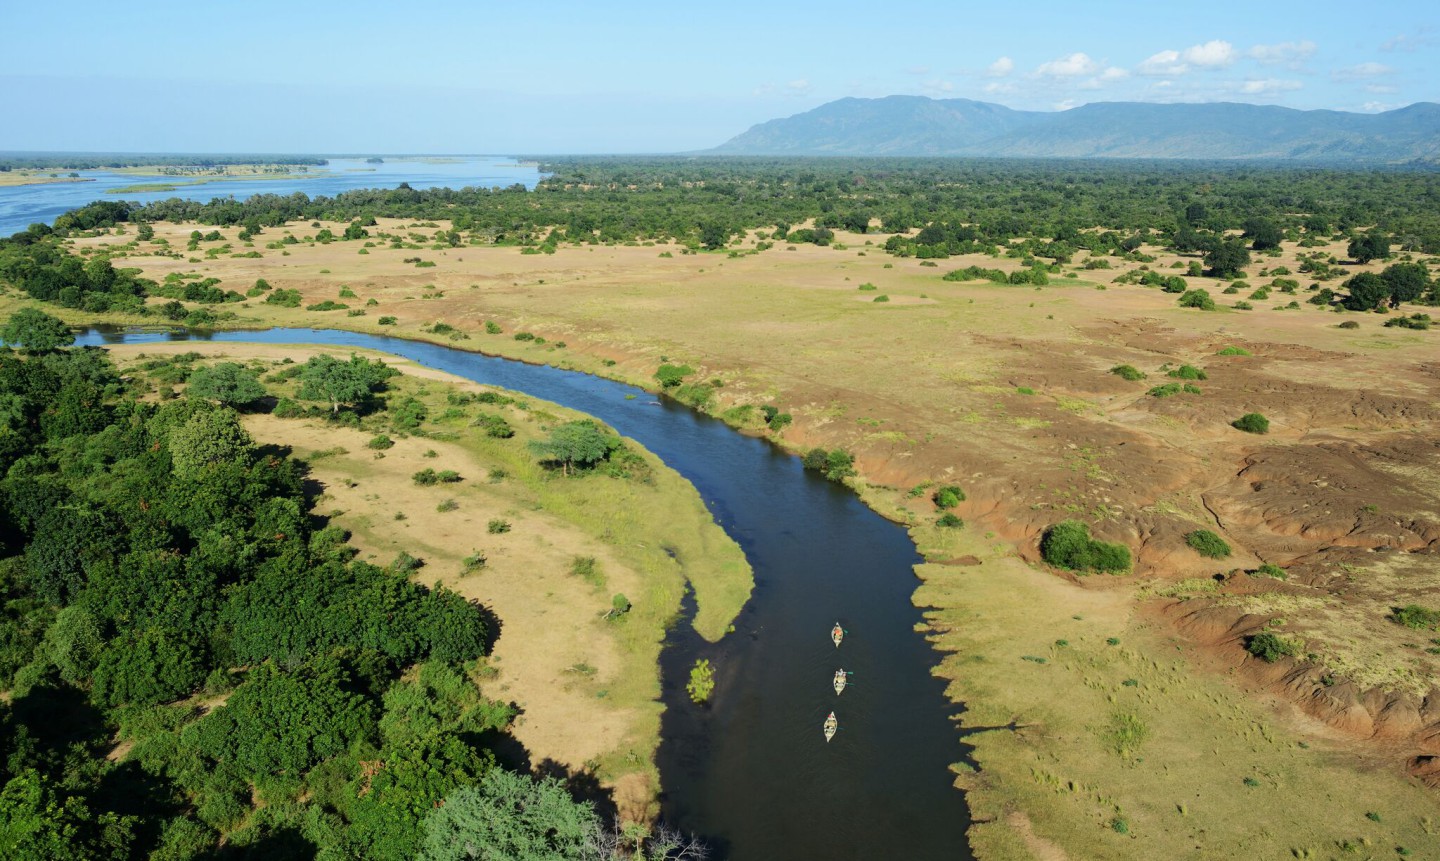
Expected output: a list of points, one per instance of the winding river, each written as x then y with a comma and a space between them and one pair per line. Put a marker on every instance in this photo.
752, 773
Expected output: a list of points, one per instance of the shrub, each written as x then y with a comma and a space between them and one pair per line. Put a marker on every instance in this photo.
448, 476
1417, 617
950, 521
1207, 543
492, 328
447, 505
702, 681
1252, 423
524, 336
1187, 372
1271, 648
1271, 570
426, 477
494, 426
1068, 545
327, 305
1197, 299
386, 321
1127, 372
1232, 351
948, 496
284, 298
1349, 324
671, 376
380, 442
497, 526
1414, 321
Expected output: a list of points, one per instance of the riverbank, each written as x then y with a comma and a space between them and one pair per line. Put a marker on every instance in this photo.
1006, 392
545, 556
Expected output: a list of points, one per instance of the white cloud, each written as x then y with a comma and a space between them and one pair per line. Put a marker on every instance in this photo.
1213, 54
1377, 107
939, 87
918, 70
1408, 42
999, 88
1066, 105
1361, 71
798, 87
1000, 68
1381, 89
1072, 66
1267, 86
1288, 54
1114, 73
1163, 63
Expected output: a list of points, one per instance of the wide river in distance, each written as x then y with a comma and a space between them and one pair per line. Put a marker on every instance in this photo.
23, 205
751, 773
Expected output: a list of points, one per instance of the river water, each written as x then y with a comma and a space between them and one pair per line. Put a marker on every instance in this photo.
752, 773
23, 205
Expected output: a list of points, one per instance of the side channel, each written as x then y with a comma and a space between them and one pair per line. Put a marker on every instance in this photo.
752, 773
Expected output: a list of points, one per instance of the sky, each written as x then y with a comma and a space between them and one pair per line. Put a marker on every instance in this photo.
638, 77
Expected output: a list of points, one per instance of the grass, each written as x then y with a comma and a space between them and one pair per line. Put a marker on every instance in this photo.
1136, 735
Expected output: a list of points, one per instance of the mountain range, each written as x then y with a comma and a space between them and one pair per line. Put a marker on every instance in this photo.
920, 126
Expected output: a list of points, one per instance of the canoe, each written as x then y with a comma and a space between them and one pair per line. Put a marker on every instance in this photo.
837, 634
839, 681
831, 724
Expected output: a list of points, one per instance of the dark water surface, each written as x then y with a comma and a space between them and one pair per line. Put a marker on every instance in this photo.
752, 774
23, 205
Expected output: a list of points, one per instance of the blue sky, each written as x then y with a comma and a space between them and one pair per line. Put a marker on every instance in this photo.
588, 77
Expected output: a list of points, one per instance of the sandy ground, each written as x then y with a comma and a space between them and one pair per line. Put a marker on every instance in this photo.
927, 388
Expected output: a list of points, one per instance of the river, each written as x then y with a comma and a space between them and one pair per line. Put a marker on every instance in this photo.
752, 773
23, 205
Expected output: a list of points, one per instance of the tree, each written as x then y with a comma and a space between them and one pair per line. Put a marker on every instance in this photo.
714, 235
326, 378
510, 817
578, 445
212, 436
1068, 545
1368, 246
226, 382
1367, 292
1407, 282
1226, 259
1196, 213
1263, 233
36, 331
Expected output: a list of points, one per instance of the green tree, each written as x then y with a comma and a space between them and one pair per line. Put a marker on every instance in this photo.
1367, 292
36, 331
1368, 246
510, 817
226, 382
1407, 282
326, 378
1068, 545
38, 826
576, 445
212, 436
1263, 233
1227, 259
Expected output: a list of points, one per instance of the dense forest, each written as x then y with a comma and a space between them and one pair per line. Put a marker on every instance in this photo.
599, 199
197, 667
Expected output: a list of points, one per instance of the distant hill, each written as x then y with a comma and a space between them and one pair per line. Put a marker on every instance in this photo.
919, 126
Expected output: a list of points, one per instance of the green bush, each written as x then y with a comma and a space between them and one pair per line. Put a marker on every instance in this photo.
1271, 648
1232, 351
1270, 570
671, 376
492, 328
380, 442
1187, 372
1252, 423
386, 321
497, 526
1127, 372
950, 521
1207, 543
1197, 299
948, 496
327, 305
426, 477
1417, 617
1068, 545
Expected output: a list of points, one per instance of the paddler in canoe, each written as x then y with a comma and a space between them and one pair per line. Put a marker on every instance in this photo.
840, 679
831, 724
837, 634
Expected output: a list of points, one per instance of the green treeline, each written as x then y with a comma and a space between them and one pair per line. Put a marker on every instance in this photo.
166, 586
984, 201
